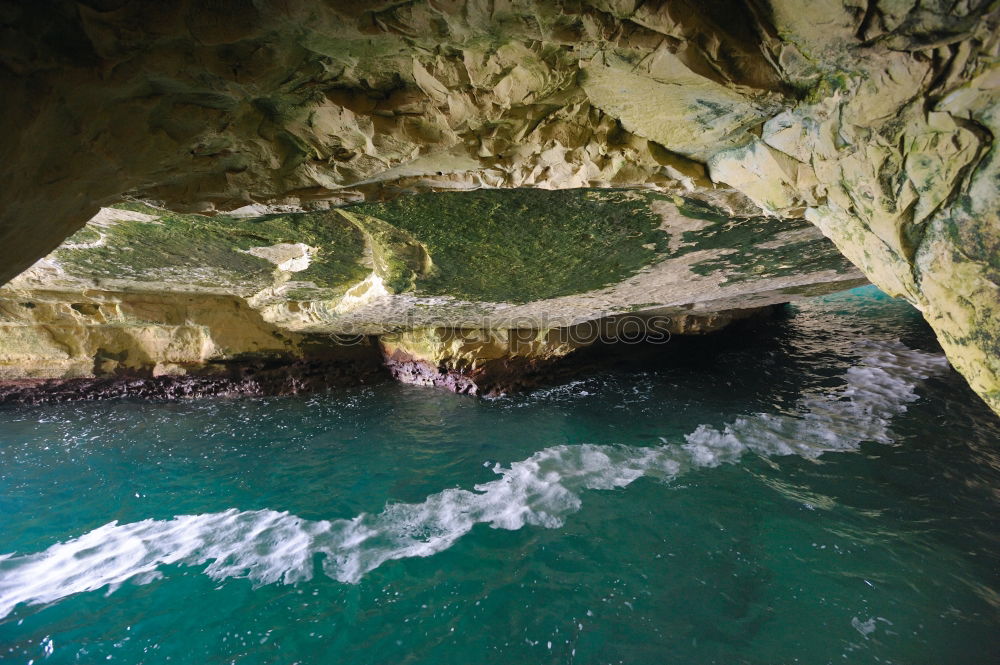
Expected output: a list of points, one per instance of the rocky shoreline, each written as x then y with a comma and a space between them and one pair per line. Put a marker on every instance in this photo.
467, 362
258, 379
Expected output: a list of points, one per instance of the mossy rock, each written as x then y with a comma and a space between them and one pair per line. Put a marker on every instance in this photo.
522, 245
742, 255
484, 246
212, 252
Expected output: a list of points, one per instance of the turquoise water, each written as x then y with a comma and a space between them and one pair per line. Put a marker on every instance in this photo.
817, 489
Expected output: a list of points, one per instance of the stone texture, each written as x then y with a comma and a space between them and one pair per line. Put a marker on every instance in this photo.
143, 292
496, 259
874, 120
88, 344
498, 362
256, 378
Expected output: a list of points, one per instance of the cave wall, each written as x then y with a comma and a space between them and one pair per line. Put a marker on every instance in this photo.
875, 120
480, 291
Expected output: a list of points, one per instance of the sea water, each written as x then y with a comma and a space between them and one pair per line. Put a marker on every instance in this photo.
817, 488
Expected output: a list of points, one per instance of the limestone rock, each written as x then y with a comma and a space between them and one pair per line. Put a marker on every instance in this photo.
498, 362
475, 291
490, 259
876, 121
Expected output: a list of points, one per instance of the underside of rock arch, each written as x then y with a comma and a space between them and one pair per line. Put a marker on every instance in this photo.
186, 182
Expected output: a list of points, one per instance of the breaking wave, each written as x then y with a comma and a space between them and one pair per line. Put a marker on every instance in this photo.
267, 546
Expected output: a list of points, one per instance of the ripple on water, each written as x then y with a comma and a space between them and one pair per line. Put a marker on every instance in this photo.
356, 526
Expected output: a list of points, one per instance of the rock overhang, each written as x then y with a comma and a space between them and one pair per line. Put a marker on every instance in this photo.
875, 122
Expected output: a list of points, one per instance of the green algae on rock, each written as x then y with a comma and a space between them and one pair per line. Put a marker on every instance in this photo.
221, 253
522, 245
191, 292
465, 259
876, 122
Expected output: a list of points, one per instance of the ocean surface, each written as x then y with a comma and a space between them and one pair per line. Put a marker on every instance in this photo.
816, 488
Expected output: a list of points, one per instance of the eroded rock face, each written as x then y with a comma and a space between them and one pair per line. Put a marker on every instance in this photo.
893, 155
89, 344
478, 292
489, 259
498, 362
873, 120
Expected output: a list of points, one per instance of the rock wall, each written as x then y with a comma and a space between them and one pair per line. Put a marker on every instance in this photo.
88, 344
893, 156
498, 362
144, 293
490, 259
873, 119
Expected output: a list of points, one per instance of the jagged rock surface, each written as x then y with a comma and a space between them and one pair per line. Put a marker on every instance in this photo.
874, 120
88, 344
145, 292
497, 362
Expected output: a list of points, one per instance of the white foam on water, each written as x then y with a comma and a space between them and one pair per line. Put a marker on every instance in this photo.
267, 546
